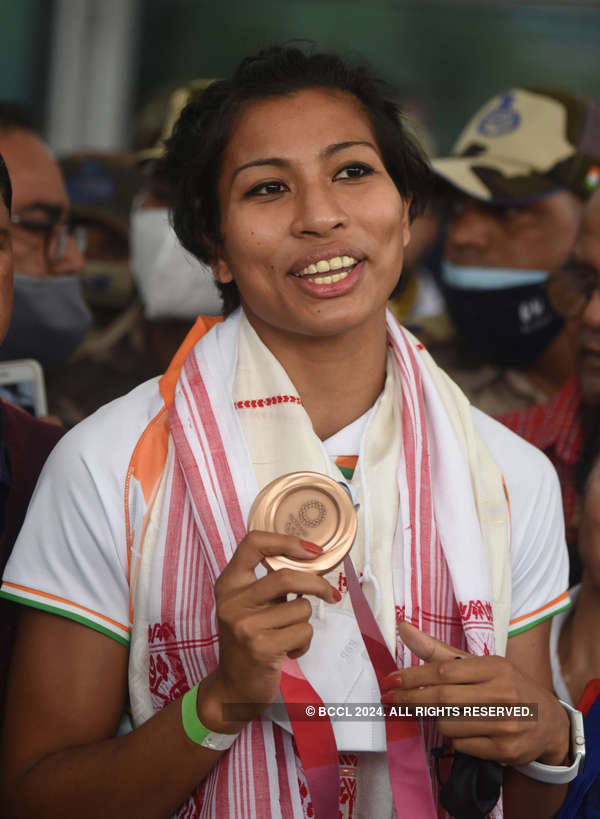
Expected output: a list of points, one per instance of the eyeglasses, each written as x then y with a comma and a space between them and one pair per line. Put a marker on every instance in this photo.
571, 287
55, 232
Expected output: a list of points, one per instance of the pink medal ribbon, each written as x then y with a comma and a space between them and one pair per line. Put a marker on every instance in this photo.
315, 742
407, 761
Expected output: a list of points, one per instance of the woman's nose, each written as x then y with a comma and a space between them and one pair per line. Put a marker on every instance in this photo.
318, 210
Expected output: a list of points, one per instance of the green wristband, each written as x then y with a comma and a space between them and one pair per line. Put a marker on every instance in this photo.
198, 732
189, 716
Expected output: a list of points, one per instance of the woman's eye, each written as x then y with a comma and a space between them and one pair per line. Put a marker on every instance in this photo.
356, 171
267, 189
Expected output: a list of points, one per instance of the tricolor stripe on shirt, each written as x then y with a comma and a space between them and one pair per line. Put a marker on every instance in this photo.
65, 608
527, 621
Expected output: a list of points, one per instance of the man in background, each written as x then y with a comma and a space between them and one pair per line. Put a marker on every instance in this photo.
561, 426
25, 442
514, 189
50, 316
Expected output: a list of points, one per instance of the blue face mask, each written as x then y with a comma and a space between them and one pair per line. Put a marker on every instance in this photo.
49, 319
503, 314
489, 278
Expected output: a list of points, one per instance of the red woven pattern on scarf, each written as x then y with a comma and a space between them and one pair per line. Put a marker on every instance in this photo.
256, 403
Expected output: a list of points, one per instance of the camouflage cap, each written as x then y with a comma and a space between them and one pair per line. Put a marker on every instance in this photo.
525, 143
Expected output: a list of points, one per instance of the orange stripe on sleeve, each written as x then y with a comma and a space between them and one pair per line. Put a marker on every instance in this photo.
559, 599
48, 596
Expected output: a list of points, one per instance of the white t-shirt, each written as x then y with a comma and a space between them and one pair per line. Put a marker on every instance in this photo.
71, 555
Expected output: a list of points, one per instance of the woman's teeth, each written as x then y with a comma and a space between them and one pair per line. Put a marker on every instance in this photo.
337, 277
325, 266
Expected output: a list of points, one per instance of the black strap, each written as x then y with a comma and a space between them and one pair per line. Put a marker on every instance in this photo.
473, 787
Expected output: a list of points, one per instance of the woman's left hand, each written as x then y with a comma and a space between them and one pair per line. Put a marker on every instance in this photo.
470, 680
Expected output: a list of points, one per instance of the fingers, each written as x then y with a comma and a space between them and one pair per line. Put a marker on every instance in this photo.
269, 646
258, 545
294, 640
281, 616
287, 581
498, 730
479, 746
500, 750
253, 549
440, 695
259, 606
463, 671
426, 647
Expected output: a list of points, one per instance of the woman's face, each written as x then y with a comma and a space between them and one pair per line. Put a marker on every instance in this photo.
589, 530
313, 227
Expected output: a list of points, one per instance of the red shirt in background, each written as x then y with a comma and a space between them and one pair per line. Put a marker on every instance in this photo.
556, 428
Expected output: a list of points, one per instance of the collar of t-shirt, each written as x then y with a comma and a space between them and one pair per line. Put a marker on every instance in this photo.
344, 446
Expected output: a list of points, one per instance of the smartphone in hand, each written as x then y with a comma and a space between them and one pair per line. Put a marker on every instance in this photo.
22, 383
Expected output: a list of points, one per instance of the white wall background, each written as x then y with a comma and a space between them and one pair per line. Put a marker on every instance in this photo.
92, 60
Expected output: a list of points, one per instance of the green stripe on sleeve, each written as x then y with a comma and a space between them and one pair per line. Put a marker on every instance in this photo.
527, 626
35, 604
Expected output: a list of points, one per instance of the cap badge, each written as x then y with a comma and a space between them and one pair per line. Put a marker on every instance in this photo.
501, 120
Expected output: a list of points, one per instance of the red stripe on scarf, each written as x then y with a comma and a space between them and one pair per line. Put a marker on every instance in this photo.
218, 454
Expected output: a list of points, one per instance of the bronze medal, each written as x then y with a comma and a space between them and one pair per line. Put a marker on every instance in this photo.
312, 507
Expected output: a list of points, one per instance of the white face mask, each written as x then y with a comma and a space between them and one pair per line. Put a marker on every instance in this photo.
172, 283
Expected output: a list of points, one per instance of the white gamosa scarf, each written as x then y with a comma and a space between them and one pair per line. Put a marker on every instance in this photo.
428, 489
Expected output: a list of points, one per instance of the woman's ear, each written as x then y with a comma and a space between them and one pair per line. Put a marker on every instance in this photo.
221, 271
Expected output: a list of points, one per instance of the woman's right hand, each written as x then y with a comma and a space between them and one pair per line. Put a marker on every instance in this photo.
257, 627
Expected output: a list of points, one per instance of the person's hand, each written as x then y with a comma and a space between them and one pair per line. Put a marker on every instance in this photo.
257, 627
454, 677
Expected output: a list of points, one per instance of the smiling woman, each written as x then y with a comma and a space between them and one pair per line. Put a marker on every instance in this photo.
194, 174
323, 200
296, 181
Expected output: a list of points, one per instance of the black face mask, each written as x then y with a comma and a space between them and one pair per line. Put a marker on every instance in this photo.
505, 326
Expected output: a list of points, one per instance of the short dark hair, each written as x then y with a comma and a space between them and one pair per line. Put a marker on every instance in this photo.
5, 184
194, 156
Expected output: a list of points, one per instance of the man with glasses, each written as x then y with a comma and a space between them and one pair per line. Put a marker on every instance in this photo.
560, 426
25, 442
50, 316
514, 189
